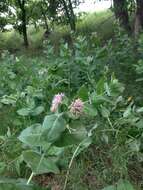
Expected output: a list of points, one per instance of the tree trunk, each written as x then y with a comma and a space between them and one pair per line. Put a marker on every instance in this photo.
121, 13
140, 11
23, 19
24, 28
45, 19
138, 26
70, 14
73, 24
44, 16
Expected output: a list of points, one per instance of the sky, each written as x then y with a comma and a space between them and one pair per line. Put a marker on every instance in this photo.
94, 6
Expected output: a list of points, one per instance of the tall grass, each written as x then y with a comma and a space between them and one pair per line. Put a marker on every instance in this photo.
102, 23
10, 40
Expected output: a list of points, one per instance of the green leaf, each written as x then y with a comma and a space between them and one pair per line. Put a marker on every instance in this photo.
39, 164
24, 111
31, 111
9, 100
140, 110
99, 99
37, 111
127, 111
31, 135
105, 138
100, 86
104, 112
2, 167
84, 144
135, 145
111, 187
68, 139
17, 163
139, 124
124, 185
55, 151
53, 127
107, 89
83, 93
121, 185
20, 184
90, 110
116, 87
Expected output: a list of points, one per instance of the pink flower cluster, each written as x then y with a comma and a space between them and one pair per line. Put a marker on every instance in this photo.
57, 100
76, 107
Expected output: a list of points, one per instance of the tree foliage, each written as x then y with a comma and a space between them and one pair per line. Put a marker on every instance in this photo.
22, 13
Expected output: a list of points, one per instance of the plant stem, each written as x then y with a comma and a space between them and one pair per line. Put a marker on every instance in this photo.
110, 123
30, 178
69, 167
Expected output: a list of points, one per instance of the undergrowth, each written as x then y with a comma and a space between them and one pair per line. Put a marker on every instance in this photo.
67, 122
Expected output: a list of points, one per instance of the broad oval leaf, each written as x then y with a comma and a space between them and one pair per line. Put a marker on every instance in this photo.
72, 136
32, 135
39, 164
31, 111
24, 111
53, 127
38, 110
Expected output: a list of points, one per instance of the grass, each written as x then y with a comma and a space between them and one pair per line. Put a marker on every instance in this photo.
100, 23
10, 40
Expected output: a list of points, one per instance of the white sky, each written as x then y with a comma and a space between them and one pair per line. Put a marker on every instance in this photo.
94, 5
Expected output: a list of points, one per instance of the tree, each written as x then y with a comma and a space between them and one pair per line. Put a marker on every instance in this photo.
44, 10
139, 17
22, 13
121, 13
21, 4
3, 14
139, 11
63, 11
69, 12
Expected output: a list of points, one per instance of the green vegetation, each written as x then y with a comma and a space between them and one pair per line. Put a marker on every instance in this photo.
109, 124
100, 24
71, 110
